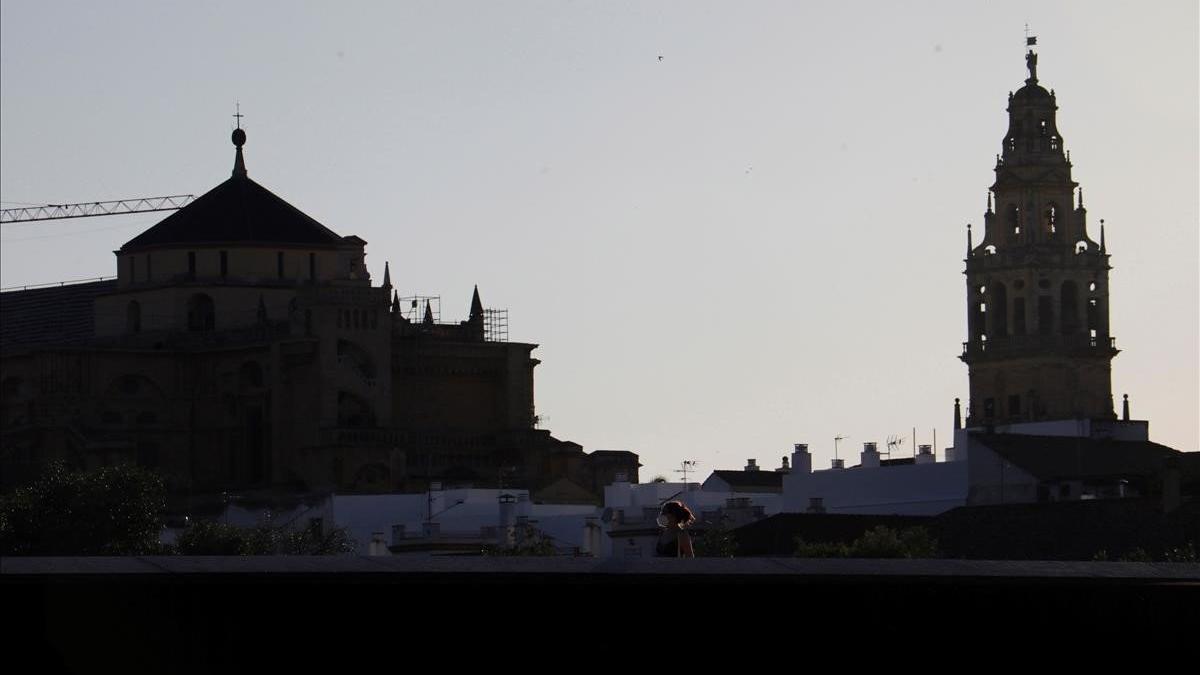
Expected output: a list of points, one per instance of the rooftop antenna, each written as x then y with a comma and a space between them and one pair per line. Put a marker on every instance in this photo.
688, 465
893, 442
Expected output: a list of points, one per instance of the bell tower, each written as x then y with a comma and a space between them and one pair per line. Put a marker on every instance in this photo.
1038, 345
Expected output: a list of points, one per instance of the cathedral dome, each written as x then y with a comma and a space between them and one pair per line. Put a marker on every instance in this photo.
238, 211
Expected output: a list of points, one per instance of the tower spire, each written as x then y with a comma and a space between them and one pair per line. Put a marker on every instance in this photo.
387, 275
428, 313
1030, 213
1102, 235
239, 139
395, 302
476, 305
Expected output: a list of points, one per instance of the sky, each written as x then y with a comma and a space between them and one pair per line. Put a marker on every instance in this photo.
753, 241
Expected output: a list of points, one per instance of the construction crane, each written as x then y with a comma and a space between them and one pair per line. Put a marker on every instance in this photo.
88, 209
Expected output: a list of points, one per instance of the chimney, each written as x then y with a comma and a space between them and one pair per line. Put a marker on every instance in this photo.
784, 468
801, 460
838, 464
377, 546
591, 528
925, 454
751, 465
522, 529
870, 456
508, 508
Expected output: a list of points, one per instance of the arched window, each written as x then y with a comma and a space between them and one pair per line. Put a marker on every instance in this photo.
1014, 219
133, 317
999, 311
1052, 218
357, 358
1069, 296
1045, 310
201, 313
978, 315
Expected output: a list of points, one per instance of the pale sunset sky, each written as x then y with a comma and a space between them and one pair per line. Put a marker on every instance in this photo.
730, 226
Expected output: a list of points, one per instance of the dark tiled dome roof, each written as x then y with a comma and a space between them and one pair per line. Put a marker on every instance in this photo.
238, 211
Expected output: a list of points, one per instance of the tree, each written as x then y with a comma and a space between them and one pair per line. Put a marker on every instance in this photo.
113, 510
210, 538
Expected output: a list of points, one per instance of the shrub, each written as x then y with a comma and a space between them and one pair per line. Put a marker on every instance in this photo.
878, 542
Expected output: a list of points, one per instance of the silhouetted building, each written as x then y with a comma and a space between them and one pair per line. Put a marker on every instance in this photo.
1040, 425
1038, 344
243, 345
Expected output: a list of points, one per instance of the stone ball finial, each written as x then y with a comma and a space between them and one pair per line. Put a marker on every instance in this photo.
239, 137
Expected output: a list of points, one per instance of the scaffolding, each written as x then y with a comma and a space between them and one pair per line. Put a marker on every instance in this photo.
413, 307
495, 325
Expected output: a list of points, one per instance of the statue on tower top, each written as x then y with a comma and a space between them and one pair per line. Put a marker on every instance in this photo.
1031, 56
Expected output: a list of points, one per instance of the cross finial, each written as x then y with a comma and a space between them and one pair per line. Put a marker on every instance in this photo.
238, 114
